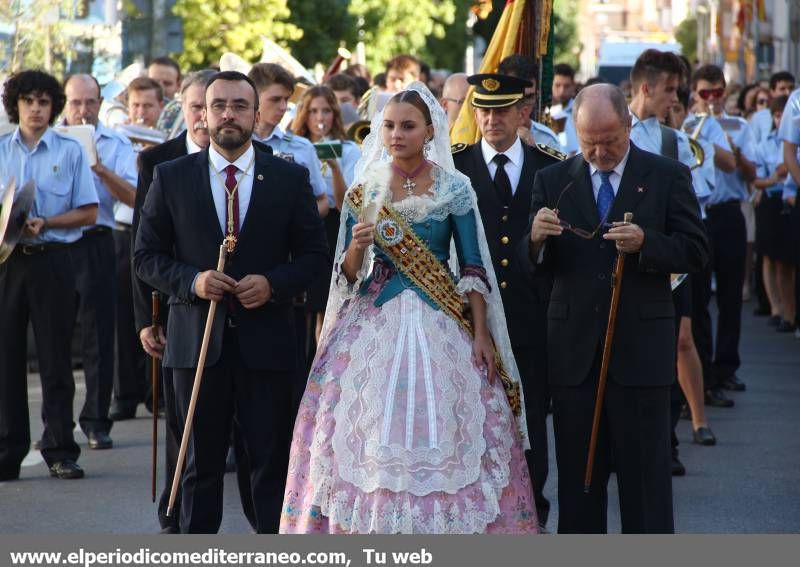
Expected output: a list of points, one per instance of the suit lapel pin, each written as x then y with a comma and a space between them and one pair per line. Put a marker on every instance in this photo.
260, 177
640, 189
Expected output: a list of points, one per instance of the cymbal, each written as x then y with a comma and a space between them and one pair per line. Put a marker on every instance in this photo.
14, 210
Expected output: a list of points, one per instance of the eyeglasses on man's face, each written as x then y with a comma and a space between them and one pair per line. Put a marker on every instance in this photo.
218, 107
706, 94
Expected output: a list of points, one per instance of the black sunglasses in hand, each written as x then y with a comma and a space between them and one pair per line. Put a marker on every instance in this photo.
579, 231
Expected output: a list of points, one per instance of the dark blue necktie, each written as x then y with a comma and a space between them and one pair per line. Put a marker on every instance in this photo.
605, 196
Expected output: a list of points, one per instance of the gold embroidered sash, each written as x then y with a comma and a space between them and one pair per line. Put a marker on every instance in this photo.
414, 259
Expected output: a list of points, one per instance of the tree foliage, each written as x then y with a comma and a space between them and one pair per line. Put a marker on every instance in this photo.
388, 28
565, 30
448, 52
38, 40
686, 35
212, 27
326, 25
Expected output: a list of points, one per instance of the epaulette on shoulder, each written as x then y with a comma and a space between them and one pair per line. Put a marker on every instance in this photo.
552, 152
459, 147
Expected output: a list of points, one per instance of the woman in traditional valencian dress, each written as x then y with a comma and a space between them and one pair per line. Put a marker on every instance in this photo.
412, 418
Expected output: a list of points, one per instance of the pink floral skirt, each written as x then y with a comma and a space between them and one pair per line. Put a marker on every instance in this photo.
400, 432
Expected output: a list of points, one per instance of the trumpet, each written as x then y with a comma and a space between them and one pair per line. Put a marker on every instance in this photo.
697, 149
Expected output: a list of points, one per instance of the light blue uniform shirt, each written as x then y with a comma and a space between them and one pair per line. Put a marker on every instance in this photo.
347, 163
789, 131
730, 186
646, 134
569, 137
60, 170
544, 135
116, 153
761, 124
769, 154
301, 151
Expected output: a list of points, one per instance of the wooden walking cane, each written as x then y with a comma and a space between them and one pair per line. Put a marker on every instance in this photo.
198, 377
154, 372
616, 288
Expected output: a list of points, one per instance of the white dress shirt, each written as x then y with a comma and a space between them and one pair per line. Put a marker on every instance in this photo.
513, 166
615, 178
191, 147
216, 173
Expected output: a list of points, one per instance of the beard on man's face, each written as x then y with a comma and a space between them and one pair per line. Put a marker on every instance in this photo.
230, 140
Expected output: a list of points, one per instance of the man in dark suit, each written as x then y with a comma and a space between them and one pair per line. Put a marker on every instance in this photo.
194, 139
504, 199
573, 202
240, 193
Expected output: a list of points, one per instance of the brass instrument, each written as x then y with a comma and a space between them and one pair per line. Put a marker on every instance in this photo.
142, 135
342, 55
358, 131
697, 150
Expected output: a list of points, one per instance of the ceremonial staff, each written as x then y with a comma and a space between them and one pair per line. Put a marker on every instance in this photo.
226, 246
154, 372
616, 288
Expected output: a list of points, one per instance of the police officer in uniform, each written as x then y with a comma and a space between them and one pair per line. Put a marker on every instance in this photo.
37, 282
502, 169
93, 254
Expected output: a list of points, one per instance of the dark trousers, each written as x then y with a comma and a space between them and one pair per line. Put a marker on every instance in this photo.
537, 402
172, 444
130, 378
728, 237
634, 437
95, 280
260, 403
40, 288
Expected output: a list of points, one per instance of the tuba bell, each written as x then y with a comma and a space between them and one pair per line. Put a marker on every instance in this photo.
358, 131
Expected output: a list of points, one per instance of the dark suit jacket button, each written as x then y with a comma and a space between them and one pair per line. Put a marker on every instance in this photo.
597, 309
601, 276
602, 245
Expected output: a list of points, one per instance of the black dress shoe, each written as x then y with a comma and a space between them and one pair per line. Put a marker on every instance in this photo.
120, 412
99, 440
170, 530
677, 467
733, 383
704, 436
9, 475
785, 327
66, 469
716, 398
774, 321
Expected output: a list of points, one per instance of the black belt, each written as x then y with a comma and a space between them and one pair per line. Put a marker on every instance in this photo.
122, 227
724, 204
32, 249
96, 230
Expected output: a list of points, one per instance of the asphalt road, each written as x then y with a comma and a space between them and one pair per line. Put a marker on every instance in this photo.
748, 483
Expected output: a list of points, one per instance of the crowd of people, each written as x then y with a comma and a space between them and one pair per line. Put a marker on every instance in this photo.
418, 376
